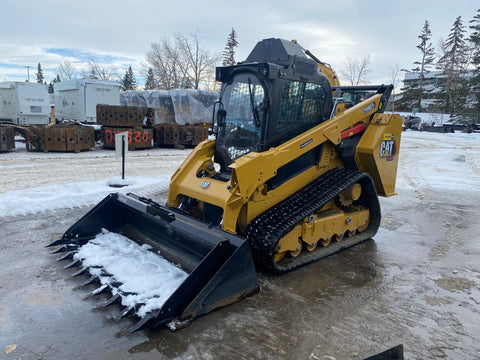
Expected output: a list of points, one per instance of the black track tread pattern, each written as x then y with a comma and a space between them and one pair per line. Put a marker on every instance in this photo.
265, 231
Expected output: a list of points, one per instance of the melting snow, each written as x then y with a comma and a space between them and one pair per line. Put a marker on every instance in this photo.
146, 277
77, 194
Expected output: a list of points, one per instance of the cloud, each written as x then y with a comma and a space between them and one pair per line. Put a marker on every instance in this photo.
121, 34
85, 56
16, 59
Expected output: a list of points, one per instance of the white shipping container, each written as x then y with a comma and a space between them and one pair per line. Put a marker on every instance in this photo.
24, 103
78, 99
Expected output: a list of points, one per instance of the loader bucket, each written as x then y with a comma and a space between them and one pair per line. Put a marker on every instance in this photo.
218, 264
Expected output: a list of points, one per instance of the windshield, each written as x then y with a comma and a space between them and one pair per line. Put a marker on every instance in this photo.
243, 102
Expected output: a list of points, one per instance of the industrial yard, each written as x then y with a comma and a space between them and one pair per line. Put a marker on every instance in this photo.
417, 283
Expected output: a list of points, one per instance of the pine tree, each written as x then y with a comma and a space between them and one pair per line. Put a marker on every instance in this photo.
428, 58
39, 74
414, 92
51, 84
229, 52
150, 83
475, 45
453, 64
128, 81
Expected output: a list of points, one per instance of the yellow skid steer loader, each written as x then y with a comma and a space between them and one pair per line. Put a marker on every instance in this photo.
291, 174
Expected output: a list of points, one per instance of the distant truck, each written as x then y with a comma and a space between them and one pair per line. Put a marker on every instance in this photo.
24, 103
78, 99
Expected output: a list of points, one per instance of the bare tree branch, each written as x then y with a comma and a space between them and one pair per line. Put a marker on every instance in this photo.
394, 71
356, 70
99, 72
66, 70
181, 64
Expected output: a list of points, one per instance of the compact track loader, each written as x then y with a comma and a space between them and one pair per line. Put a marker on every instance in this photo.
291, 175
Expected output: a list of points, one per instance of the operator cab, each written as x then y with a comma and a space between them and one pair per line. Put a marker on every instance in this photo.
243, 111
267, 101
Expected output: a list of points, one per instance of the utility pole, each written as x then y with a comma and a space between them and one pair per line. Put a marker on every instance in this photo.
28, 72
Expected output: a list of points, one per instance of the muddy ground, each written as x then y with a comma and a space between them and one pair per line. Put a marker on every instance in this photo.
417, 284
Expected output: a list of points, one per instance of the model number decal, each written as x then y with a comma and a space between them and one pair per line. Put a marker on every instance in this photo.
368, 108
204, 185
388, 147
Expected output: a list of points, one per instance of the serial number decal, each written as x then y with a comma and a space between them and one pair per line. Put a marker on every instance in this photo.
368, 108
205, 185
388, 147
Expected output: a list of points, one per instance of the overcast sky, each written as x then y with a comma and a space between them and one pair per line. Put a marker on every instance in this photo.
120, 32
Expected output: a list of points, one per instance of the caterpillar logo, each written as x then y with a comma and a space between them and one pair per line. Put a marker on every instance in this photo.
388, 147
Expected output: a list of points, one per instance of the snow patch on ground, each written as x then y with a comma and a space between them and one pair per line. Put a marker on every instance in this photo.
146, 277
72, 195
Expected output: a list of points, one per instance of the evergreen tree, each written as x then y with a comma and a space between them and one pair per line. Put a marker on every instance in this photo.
414, 92
50, 84
39, 74
150, 83
128, 81
475, 45
229, 52
428, 58
453, 64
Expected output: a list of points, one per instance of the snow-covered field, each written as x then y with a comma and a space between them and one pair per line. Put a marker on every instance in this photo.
439, 162
32, 182
36, 182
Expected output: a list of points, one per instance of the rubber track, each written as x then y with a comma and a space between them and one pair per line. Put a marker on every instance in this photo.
265, 231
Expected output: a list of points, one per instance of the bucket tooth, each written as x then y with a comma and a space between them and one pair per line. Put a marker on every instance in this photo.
143, 323
105, 288
82, 271
60, 249
64, 248
66, 256
85, 270
61, 241
71, 239
92, 280
115, 299
128, 312
74, 263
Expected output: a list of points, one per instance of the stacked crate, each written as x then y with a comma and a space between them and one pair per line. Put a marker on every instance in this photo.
137, 121
62, 137
180, 135
7, 138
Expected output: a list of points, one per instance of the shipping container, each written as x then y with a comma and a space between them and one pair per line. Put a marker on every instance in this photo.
24, 103
78, 99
